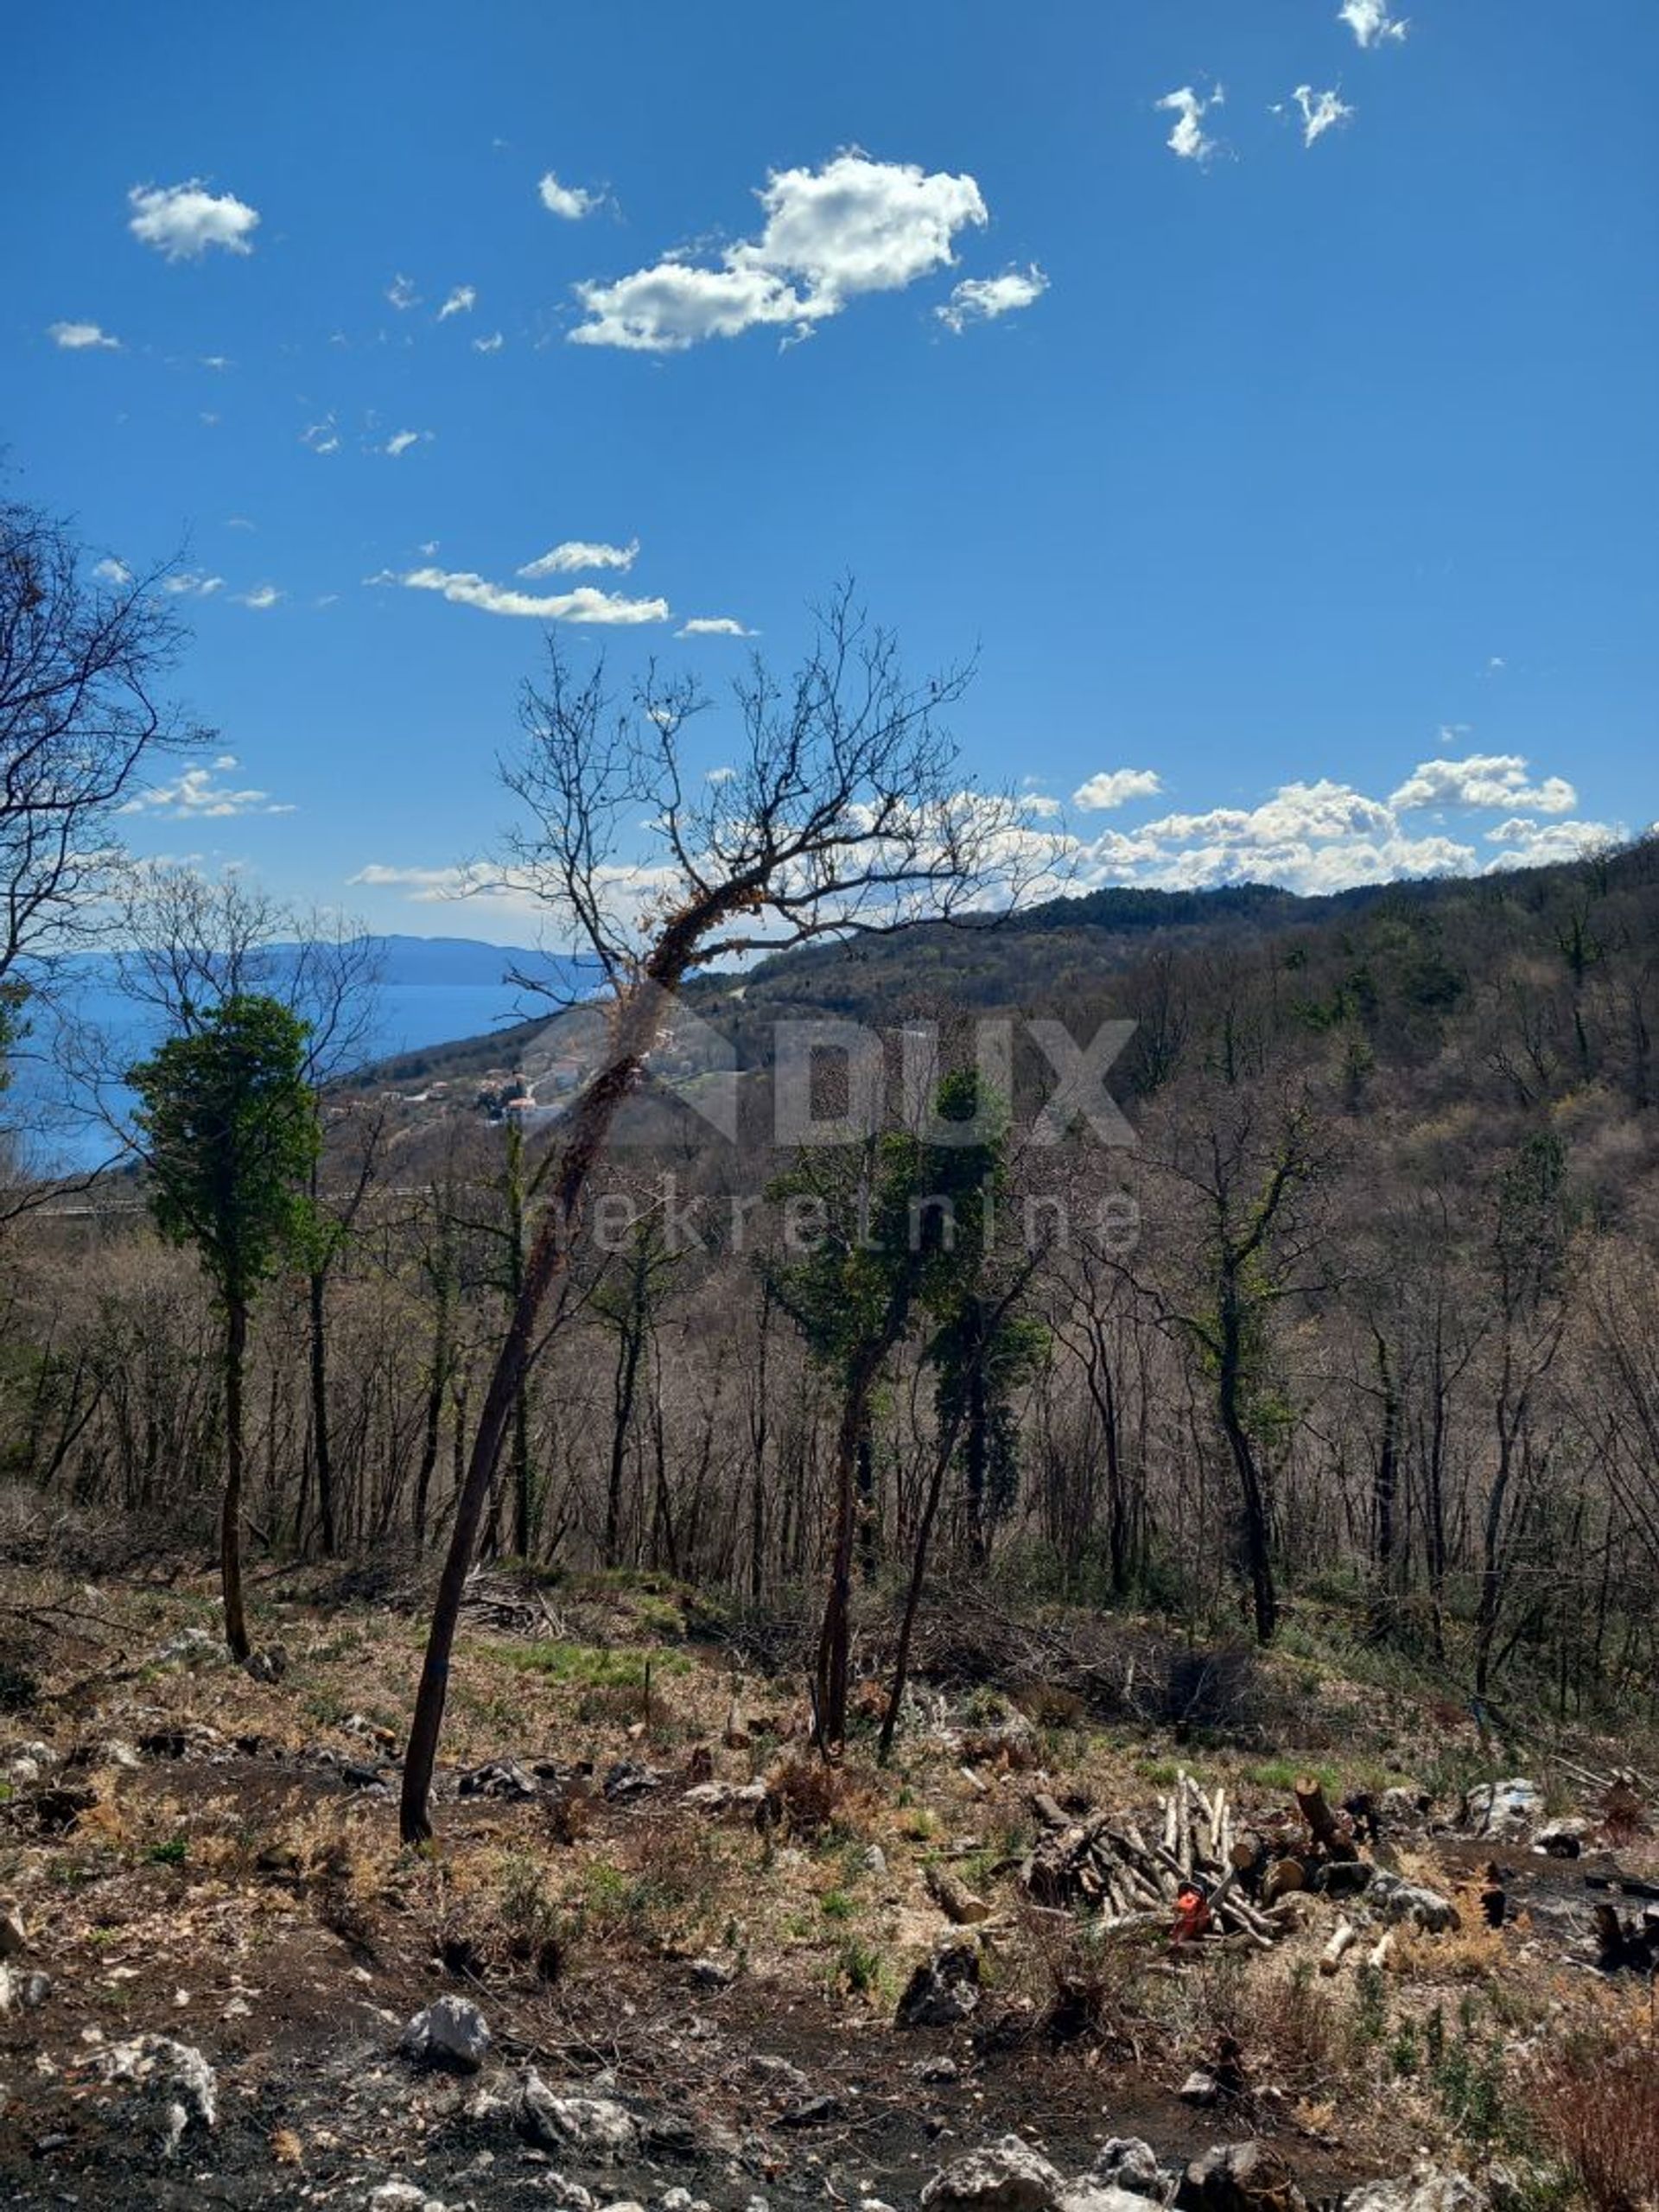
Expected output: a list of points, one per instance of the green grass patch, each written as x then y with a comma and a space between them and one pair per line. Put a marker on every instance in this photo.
593, 1666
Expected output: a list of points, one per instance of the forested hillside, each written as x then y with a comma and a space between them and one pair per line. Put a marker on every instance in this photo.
1355, 1344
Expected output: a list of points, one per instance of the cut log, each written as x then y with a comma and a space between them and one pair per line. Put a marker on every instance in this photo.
1337, 1949
1283, 1876
955, 1900
1381, 1948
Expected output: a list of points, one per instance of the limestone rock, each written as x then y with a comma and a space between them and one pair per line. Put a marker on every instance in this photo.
1239, 2177
596, 2128
1131, 2163
450, 2032
943, 1990
174, 2078
1005, 2177
1398, 1900
1435, 2189
1510, 1809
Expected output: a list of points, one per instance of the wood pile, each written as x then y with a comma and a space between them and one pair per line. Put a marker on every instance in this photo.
1110, 1868
507, 1603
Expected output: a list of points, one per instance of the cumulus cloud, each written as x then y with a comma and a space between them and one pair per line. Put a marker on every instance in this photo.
199, 796
82, 338
982, 299
402, 294
109, 570
1188, 138
831, 234
577, 554
569, 202
461, 300
261, 596
1116, 787
1371, 22
1483, 779
712, 626
1325, 835
189, 583
493, 344
1321, 111
400, 442
585, 604
1532, 843
182, 221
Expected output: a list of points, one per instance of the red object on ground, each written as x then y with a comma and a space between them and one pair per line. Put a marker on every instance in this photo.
1192, 1916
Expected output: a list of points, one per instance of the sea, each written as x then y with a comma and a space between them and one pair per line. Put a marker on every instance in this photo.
59, 1130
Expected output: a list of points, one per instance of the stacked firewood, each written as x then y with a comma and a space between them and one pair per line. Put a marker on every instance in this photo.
509, 1603
1185, 1875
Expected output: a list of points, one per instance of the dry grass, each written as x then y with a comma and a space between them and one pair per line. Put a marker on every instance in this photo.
1595, 2104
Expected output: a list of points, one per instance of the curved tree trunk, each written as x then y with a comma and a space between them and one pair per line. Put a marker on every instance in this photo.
639, 1021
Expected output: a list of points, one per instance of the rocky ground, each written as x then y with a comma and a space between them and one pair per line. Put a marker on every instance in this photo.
657, 1956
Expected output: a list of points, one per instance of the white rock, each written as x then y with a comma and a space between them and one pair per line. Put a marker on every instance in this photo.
176, 2075
1086, 2195
397, 2196
1004, 2177
1504, 1808
1432, 2190
1131, 2163
597, 2128
451, 2031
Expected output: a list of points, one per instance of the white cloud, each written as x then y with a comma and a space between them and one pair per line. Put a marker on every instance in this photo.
1531, 844
1324, 835
493, 344
216, 361
261, 596
982, 299
1116, 787
321, 438
188, 583
577, 554
627, 891
830, 235
1483, 779
1372, 22
197, 795
400, 442
182, 221
82, 338
402, 294
584, 604
226, 760
1321, 111
567, 201
712, 626
111, 571
461, 300
1188, 138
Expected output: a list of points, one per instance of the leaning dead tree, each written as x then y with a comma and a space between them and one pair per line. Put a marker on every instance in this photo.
843, 811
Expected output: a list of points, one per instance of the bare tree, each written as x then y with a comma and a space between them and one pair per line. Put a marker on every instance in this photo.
86, 655
844, 811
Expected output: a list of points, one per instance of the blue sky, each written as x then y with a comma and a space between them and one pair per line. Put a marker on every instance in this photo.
1294, 449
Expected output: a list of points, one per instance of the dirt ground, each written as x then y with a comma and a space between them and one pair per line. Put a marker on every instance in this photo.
203, 1856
